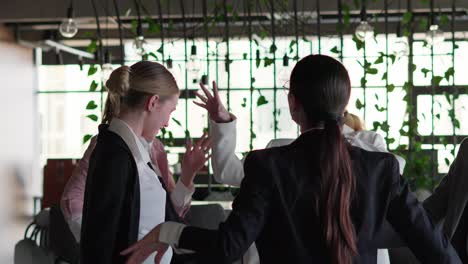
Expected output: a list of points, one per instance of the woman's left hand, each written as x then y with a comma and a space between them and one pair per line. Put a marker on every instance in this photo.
142, 249
194, 158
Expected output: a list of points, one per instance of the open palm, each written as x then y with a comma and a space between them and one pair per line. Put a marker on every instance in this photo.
212, 103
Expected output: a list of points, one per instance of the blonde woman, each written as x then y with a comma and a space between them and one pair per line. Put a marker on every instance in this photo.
124, 196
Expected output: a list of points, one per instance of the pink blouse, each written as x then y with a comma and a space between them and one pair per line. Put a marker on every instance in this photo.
73, 194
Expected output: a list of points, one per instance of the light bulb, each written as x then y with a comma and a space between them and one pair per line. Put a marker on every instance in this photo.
434, 35
193, 64
68, 28
401, 47
364, 31
140, 45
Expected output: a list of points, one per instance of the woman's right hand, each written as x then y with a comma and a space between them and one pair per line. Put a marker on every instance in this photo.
212, 103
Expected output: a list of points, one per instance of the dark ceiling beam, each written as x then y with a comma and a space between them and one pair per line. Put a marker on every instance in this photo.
55, 10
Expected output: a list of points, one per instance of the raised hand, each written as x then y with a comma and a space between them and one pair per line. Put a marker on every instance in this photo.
142, 249
194, 158
212, 103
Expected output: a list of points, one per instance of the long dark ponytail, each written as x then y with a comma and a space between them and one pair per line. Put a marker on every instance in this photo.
321, 85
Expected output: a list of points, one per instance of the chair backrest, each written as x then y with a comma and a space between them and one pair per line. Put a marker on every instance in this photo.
61, 239
206, 216
56, 175
34, 247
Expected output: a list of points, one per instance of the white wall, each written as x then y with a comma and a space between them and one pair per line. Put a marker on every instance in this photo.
17, 106
17, 141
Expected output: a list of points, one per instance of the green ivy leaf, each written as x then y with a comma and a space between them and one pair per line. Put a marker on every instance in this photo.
449, 73
151, 54
92, 47
407, 18
244, 102
363, 82
413, 67
257, 62
447, 161
161, 49
244, 56
392, 57
153, 28
359, 104
456, 122
335, 50
177, 122
425, 71
291, 46
93, 86
390, 140
262, 100
390, 88
376, 125
273, 48
385, 127
92, 117
378, 108
437, 79
92, 70
268, 61
359, 43
423, 23
372, 71
379, 60
134, 26
346, 15
263, 34
384, 76
91, 105
406, 86
406, 32
86, 138
443, 20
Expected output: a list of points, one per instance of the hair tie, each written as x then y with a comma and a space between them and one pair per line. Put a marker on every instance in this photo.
332, 117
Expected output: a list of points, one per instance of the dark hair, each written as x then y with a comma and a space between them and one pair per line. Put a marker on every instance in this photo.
322, 86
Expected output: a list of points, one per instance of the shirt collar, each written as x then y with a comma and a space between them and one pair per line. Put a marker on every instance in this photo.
347, 129
138, 146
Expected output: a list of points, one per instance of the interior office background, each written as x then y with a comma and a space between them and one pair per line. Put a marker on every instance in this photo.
45, 93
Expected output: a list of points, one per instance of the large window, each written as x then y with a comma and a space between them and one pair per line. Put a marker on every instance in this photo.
262, 112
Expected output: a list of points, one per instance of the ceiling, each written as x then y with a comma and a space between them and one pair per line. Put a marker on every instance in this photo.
38, 20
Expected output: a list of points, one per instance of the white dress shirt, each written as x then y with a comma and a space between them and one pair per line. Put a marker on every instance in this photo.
152, 194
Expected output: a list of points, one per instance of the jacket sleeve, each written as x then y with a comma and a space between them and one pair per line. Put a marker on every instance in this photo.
227, 167
410, 220
71, 201
104, 203
450, 198
243, 225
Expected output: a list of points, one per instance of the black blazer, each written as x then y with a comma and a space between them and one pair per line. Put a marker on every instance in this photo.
275, 208
111, 210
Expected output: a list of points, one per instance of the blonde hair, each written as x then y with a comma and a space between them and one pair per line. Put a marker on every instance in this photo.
129, 86
354, 122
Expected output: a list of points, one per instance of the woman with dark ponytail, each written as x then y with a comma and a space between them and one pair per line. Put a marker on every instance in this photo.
316, 200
